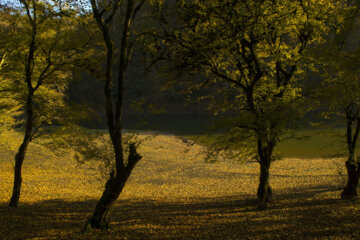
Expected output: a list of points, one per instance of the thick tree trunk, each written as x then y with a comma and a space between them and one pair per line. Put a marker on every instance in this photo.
265, 151
264, 192
114, 186
101, 216
353, 172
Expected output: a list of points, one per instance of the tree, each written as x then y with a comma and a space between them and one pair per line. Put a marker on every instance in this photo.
46, 46
117, 20
340, 87
254, 53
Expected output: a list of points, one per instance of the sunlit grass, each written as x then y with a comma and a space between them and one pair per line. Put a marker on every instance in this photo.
307, 144
174, 194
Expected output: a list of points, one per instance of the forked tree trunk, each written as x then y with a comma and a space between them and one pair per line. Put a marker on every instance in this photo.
353, 172
114, 110
114, 186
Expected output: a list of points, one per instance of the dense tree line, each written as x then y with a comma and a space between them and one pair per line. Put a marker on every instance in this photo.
247, 58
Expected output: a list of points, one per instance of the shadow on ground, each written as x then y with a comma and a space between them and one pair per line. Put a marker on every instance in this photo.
312, 213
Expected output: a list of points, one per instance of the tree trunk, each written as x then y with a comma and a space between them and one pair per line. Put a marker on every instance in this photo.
114, 186
264, 192
265, 151
353, 172
352, 166
101, 216
20, 156
19, 159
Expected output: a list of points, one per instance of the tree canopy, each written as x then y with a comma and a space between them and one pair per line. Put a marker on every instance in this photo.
338, 65
247, 60
254, 53
41, 46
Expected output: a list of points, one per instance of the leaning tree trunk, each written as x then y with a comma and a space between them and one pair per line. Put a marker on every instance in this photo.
114, 186
353, 172
20, 156
101, 216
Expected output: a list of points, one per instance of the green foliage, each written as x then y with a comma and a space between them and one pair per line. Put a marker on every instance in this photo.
122, 28
91, 147
252, 54
339, 68
52, 30
9, 102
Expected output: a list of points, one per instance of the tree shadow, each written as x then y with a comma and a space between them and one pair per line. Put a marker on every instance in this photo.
296, 215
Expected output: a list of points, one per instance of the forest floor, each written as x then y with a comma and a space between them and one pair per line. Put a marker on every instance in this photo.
174, 194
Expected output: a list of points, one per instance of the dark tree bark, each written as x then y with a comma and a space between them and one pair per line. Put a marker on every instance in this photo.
114, 108
265, 151
353, 173
19, 159
114, 186
264, 192
20, 156
37, 73
352, 166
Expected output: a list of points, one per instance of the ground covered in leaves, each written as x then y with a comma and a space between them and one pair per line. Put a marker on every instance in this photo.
174, 194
